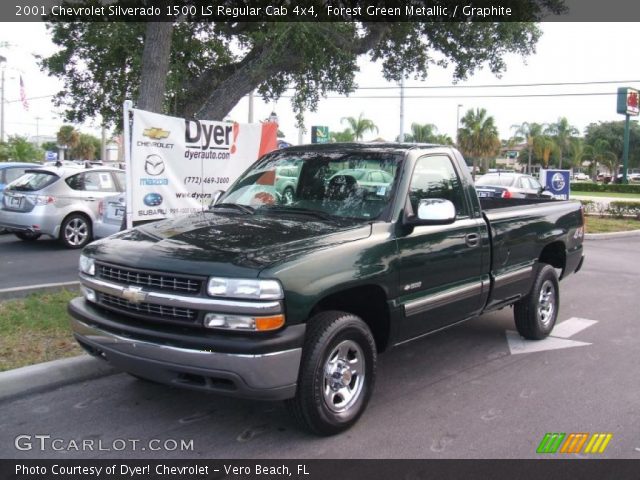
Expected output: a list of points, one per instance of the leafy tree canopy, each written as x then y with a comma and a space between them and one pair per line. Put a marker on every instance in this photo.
211, 66
613, 134
20, 149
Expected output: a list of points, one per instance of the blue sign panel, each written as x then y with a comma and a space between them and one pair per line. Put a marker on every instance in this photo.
557, 182
49, 155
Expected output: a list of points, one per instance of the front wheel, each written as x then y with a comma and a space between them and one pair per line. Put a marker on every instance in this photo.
337, 373
536, 314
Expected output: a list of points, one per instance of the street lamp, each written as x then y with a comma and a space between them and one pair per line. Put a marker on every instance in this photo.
2, 60
458, 126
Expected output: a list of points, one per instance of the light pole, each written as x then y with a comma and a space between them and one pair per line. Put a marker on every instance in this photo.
458, 126
2, 60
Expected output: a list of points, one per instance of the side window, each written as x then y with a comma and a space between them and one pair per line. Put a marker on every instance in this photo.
435, 177
376, 177
523, 183
534, 183
92, 182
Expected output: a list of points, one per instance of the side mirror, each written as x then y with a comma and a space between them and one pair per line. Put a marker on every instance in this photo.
432, 211
216, 196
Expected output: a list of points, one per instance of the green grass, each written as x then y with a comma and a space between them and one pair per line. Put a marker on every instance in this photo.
607, 194
595, 224
36, 329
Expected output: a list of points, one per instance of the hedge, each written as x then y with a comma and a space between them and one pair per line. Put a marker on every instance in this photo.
617, 209
600, 187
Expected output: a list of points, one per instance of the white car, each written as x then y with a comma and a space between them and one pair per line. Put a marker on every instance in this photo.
110, 216
580, 176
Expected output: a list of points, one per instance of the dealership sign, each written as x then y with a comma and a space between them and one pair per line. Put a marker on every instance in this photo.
557, 183
628, 101
175, 165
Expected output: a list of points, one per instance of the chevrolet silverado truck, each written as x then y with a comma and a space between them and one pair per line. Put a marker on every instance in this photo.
293, 299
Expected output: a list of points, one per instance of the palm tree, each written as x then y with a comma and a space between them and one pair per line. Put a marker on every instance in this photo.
344, 136
359, 126
478, 137
600, 152
528, 131
68, 137
562, 133
577, 152
543, 146
422, 133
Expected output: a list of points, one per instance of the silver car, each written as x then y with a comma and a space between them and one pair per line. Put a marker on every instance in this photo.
111, 212
60, 202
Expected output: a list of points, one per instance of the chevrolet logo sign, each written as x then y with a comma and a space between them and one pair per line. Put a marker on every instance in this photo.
156, 133
134, 294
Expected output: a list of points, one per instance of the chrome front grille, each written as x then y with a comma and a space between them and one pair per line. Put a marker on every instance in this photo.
165, 282
149, 310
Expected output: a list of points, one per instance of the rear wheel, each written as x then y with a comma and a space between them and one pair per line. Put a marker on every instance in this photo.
536, 314
75, 231
28, 236
337, 373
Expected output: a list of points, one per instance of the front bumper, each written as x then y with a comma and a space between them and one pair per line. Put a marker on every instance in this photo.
270, 375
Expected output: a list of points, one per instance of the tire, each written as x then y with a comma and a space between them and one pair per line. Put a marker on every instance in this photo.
328, 404
287, 196
536, 314
76, 231
28, 236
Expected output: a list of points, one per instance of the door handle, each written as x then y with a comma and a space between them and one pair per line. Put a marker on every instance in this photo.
472, 239
90, 199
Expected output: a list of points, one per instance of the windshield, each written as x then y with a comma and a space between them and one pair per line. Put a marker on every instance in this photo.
496, 180
33, 181
335, 184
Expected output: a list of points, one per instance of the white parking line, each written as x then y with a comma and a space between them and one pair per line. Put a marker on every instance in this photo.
42, 286
555, 341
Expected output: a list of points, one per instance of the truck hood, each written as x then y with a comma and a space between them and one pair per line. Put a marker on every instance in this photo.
228, 245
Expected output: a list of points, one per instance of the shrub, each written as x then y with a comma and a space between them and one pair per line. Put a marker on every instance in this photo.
599, 187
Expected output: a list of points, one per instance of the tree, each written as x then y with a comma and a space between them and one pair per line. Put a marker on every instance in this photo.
600, 152
478, 136
344, 136
562, 132
20, 149
543, 146
613, 133
577, 152
528, 132
49, 146
87, 147
208, 67
359, 126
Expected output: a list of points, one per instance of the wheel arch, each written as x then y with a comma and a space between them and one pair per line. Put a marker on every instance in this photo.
369, 302
555, 254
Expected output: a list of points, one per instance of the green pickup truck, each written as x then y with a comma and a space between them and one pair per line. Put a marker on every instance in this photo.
293, 300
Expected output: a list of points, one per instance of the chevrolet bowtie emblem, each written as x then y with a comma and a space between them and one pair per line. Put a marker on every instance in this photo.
134, 294
156, 133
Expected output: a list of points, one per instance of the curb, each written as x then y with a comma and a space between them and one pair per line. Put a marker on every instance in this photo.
612, 235
21, 292
50, 375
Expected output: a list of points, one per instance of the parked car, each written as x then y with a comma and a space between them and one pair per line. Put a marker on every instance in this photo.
286, 182
111, 212
580, 176
61, 202
9, 171
295, 302
367, 179
510, 185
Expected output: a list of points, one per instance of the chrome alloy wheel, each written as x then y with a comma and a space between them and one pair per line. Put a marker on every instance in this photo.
546, 303
344, 374
76, 231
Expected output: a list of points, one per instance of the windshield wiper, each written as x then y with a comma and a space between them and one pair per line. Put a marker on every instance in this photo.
237, 206
300, 211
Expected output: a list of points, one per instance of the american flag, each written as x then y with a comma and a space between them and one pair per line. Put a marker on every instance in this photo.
23, 95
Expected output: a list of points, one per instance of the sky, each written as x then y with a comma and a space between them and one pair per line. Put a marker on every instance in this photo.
566, 52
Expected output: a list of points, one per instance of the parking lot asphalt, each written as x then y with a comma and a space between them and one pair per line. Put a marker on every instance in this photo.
39, 262
462, 393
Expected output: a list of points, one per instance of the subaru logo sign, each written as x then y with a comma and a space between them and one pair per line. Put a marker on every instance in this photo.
557, 182
152, 199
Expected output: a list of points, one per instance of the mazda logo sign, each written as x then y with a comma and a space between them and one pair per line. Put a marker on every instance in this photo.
154, 165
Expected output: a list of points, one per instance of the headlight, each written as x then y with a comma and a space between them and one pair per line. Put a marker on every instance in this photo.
87, 265
245, 288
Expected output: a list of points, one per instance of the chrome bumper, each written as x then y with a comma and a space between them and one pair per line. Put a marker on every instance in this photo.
271, 376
